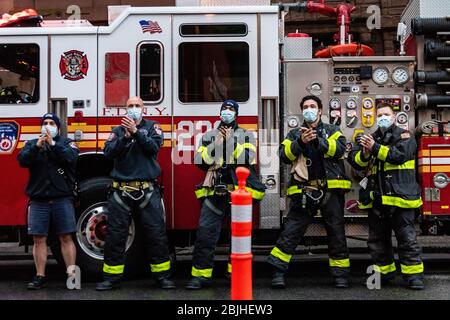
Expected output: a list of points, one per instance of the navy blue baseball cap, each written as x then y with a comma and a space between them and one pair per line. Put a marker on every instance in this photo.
231, 103
53, 117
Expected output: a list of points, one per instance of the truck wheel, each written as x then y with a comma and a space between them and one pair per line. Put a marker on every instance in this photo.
92, 216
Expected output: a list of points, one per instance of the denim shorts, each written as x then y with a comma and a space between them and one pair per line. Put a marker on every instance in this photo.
59, 214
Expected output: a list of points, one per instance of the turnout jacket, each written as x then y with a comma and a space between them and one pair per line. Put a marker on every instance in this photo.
135, 157
46, 180
391, 167
330, 143
239, 150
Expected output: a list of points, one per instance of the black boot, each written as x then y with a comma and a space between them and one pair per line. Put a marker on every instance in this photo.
341, 282
198, 282
108, 283
37, 283
278, 280
165, 283
416, 284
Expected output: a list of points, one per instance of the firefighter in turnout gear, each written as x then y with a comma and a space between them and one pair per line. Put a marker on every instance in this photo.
221, 151
318, 183
392, 195
134, 147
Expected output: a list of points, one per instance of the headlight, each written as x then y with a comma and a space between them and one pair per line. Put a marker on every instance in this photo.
441, 180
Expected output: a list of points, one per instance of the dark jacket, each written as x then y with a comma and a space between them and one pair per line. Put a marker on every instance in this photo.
330, 144
45, 181
237, 151
392, 175
135, 157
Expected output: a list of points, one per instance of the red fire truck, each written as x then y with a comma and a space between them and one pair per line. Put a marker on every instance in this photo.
183, 61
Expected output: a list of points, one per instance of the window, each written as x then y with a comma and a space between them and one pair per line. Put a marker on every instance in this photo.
117, 79
213, 71
19, 73
206, 30
150, 72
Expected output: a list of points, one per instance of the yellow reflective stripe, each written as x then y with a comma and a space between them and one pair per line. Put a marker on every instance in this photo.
383, 153
256, 194
287, 149
238, 151
385, 269
204, 192
113, 269
250, 146
408, 165
160, 267
339, 184
206, 273
293, 190
418, 268
363, 207
205, 156
332, 144
342, 263
359, 160
400, 202
229, 268
281, 255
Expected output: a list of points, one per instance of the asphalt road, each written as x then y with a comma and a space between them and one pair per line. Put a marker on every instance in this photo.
308, 280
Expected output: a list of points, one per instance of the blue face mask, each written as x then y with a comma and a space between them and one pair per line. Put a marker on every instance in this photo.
384, 122
227, 116
135, 113
310, 114
53, 130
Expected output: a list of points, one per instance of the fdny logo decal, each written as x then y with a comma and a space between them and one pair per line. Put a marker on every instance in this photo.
74, 65
150, 26
9, 133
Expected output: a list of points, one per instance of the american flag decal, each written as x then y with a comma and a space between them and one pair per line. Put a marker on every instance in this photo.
150, 26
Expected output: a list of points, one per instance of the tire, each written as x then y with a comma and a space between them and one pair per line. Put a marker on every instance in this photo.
92, 212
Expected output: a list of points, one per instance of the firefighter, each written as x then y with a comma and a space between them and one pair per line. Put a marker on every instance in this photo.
392, 195
318, 183
51, 160
134, 146
221, 151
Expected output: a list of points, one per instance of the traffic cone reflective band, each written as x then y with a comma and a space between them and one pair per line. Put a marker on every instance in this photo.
241, 239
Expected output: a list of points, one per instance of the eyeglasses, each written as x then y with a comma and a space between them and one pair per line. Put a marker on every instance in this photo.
134, 106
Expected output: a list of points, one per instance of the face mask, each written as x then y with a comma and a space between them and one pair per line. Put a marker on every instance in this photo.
227, 116
52, 129
384, 122
310, 114
135, 113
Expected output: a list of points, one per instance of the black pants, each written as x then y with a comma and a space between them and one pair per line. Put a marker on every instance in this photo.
382, 221
149, 215
213, 211
296, 223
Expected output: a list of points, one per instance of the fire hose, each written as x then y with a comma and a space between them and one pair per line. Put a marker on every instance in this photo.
432, 101
432, 126
434, 49
429, 26
431, 77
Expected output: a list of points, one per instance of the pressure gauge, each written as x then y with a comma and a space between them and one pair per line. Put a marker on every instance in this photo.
380, 75
335, 103
367, 103
400, 75
402, 118
351, 103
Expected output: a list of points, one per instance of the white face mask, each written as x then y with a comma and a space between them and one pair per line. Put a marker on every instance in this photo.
135, 113
52, 129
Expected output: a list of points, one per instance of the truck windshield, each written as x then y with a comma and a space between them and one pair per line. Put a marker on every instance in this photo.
19, 73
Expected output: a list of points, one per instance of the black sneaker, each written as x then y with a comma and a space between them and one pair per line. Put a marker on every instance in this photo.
37, 283
416, 284
278, 280
341, 282
165, 283
107, 285
198, 282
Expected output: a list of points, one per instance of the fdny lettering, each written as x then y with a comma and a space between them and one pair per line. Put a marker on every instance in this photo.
121, 111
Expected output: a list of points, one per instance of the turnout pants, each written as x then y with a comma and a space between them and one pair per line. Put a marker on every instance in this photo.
212, 213
149, 215
384, 219
296, 223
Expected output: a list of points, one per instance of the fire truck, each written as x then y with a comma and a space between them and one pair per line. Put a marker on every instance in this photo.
184, 61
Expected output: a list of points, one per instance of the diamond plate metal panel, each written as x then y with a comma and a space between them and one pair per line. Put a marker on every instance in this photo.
270, 212
424, 9
351, 229
297, 48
